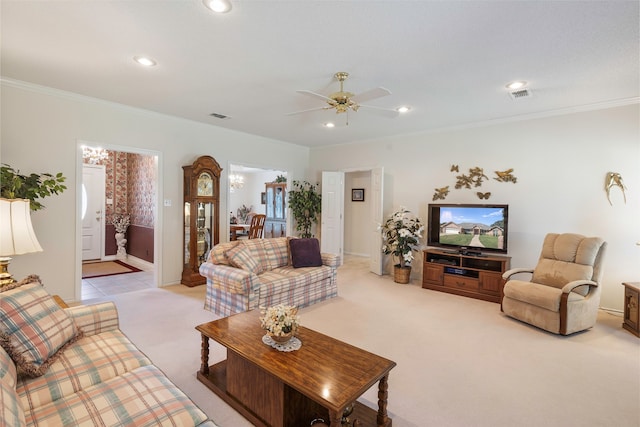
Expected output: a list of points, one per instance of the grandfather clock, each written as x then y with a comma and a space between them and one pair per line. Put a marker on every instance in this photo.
201, 216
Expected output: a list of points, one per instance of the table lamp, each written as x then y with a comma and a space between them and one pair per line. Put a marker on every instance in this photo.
16, 234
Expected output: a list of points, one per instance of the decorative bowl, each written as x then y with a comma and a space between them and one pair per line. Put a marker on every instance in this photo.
281, 339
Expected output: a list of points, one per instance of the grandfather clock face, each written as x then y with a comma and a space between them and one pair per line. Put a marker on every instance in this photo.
205, 184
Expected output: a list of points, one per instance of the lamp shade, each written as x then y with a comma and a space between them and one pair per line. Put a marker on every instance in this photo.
16, 232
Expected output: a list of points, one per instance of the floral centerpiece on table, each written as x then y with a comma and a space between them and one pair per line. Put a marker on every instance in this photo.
280, 321
401, 233
121, 222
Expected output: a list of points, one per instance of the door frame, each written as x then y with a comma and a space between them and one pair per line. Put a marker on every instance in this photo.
157, 227
376, 269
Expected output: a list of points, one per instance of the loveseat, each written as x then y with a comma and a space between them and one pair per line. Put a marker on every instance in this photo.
249, 274
73, 366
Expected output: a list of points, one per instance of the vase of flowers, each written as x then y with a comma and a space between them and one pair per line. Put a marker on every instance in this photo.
401, 233
281, 322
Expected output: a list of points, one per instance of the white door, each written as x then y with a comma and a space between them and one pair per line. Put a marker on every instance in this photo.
377, 185
332, 219
93, 183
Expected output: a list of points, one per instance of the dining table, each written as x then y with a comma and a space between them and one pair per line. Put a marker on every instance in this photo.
235, 228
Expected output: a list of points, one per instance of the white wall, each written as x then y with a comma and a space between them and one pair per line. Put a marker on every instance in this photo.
560, 163
40, 133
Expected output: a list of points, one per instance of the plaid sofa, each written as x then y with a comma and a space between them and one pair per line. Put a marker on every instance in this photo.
101, 379
262, 276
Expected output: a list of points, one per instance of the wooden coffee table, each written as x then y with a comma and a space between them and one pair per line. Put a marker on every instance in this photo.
274, 388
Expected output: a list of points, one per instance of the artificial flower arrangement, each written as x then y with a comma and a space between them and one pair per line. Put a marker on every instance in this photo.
401, 233
121, 222
280, 320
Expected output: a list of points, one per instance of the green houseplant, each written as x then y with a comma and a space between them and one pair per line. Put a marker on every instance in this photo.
14, 185
305, 204
401, 233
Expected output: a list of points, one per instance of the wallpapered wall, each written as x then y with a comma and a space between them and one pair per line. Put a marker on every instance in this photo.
130, 181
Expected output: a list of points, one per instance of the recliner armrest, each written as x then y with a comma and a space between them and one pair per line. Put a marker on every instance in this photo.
507, 274
572, 285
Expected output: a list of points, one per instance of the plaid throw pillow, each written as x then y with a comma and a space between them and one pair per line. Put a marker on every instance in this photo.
240, 257
33, 328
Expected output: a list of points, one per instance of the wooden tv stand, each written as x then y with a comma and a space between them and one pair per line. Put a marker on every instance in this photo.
467, 275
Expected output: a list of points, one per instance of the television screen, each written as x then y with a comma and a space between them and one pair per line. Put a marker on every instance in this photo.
468, 228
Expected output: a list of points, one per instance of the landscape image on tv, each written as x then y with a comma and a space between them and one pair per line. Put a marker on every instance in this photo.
478, 227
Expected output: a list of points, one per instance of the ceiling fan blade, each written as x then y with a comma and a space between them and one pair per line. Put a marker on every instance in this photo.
307, 111
387, 112
378, 92
315, 95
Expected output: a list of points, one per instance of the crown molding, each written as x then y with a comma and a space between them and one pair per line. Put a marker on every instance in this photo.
504, 120
623, 102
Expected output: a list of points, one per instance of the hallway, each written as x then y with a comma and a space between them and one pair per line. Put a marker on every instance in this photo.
97, 287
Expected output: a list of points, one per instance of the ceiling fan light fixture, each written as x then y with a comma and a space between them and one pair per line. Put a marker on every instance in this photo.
145, 61
518, 84
218, 6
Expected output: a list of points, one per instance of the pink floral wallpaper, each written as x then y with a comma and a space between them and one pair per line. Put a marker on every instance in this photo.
131, 184
141, 189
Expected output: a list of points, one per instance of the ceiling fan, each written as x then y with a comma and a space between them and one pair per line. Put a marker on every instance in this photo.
342, 101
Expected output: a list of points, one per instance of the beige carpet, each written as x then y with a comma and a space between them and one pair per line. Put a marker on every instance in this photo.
106, 268
460, 361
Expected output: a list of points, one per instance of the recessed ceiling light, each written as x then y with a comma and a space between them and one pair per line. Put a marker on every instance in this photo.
518, 84
218, 6
403, 109
329, 125
144, 60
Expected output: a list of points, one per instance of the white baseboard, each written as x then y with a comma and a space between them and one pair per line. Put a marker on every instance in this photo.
612, 310
357, 254
139, 263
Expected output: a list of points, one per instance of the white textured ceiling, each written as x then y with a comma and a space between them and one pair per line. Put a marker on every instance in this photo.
448, 60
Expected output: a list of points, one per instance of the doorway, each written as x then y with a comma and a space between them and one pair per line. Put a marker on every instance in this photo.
247, 193
351, 219
130, 185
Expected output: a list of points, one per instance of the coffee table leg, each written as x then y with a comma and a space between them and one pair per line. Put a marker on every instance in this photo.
383, 395
335, 418
204, 354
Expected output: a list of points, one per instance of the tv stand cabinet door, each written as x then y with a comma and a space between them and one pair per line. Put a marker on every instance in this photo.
491, 283
433, 273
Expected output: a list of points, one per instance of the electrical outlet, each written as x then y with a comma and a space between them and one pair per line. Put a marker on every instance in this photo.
167, 202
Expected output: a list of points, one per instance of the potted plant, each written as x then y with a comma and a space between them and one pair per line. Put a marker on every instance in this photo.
14, 185
401, 233
305, 203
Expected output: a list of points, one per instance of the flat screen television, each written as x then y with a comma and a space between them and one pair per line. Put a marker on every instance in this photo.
469, 228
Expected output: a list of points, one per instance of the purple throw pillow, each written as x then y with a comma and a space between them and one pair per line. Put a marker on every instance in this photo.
305, 253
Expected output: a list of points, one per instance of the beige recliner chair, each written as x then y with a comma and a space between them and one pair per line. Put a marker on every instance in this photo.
563, 295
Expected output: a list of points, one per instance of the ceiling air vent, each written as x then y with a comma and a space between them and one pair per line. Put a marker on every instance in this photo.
520, 93
219, 116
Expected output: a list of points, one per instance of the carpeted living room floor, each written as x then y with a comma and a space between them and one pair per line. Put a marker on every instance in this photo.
460, 362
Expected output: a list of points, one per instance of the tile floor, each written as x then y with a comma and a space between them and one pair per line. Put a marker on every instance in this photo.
97, 287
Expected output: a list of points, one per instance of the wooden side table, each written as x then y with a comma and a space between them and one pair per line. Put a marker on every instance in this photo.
631, 309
